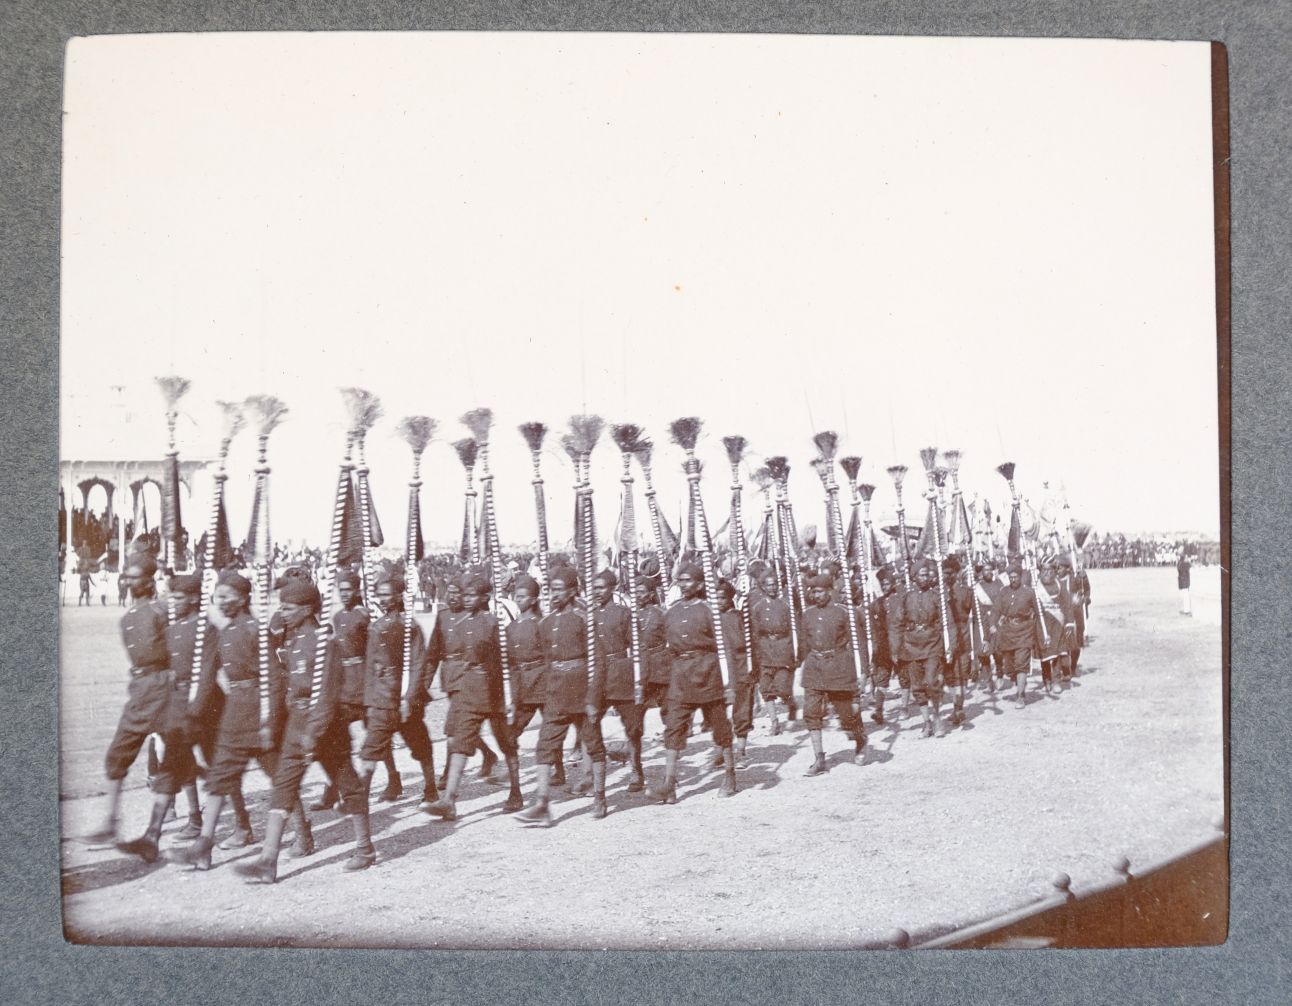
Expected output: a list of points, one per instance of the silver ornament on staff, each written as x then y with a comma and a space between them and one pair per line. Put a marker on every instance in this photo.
173, 388
827, 443
1006, 470
928, 456
534, 434
480, 423
417, 432
585, 432
851, 466
331, 558
779, 466
232, 421
626, 437
265, 413
364, 409
898, 474
644, 452
469, 551
961, 521
685, 432
735, 447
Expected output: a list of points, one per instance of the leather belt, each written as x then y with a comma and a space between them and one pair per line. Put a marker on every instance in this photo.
302, 705
693, 653
139, 672
826, 653
244, 683
562, 665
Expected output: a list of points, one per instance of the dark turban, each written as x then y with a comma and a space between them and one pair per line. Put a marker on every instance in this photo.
232, 578
298, 591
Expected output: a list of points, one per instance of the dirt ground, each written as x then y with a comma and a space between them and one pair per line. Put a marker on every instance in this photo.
925, 835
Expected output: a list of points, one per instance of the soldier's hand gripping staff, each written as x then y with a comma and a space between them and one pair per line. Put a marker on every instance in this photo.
829, 671
241, 733
570, 695
478, 697
696, 680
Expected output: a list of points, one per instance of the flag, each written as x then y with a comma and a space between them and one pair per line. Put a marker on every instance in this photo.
959, 528
925, 546
415, 521
172, 529
375, 537
351, 550
223, 544
1014, 542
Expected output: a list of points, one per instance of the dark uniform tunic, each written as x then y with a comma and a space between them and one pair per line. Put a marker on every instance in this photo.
1016, 629
613, 684
697, 676
656, 671
960, 607
238, 738
384, 669
143, 630
916, 639
570, 689
881, 661
470, 666
1060, 620
178, 767
349, 647
773, 647
528, 669
829, 674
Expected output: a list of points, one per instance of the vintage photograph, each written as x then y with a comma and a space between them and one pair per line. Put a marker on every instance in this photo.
642, 491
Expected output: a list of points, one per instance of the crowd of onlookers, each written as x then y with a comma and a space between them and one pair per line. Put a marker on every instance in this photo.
1117, 552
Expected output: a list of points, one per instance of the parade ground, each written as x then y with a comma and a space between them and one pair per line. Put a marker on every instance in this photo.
925, 835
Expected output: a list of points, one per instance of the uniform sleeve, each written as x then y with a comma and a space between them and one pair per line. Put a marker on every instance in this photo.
432, 656
895, 615
206, 680
414, 689
329, 696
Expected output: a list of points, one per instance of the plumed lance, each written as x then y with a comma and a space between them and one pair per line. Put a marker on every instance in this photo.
787, 532
585, 431
931, 543
626, 437
827, 442
685, 432
264, 412
1015, 544
480, 423
665, 540
469, 551
735, 446
173, 388
535, 434
898, 474
364, 409
216, 549
417, 432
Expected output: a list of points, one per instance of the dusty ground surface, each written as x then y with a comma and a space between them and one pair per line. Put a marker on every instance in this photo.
925, 835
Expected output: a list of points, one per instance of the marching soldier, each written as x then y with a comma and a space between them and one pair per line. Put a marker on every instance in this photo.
1060, 625
960, 608
987, 591
528, 664
650, 632
471, 645
1078, 585
742, 684
881, 663
176, 768
1016, 631
570, 700
242, 736
773, 647
453, 612
915, 638
829, 674
306, 723
387, 710
143, 630
696, 682
613, 685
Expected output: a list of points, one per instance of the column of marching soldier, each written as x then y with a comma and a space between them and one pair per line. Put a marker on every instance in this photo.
319, 687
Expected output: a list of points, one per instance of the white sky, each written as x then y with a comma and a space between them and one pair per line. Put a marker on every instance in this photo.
1003, 246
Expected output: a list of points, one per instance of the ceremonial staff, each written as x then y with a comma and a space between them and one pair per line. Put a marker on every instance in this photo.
480, 422
470, 550
534, 434
898, 474
851, 467
327, 573
827, 443
364, 409
417, 432
570, 444
685, 432
735, 447
643, 452
585, 431
779, 467
626, 437
1006, 470
266, 413
217, 527
966, 536
172, 389
928, 455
